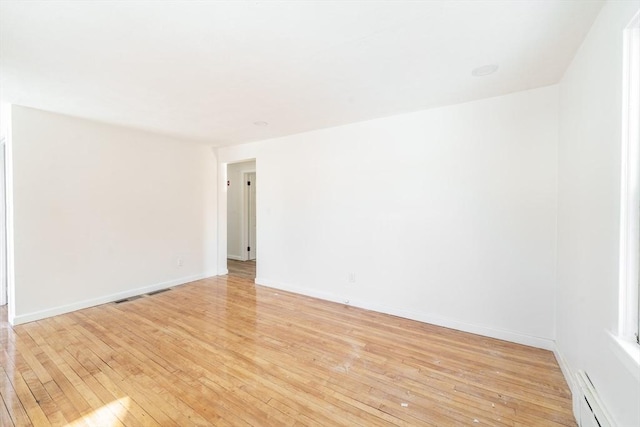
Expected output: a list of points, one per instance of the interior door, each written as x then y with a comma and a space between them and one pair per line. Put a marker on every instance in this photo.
251, 216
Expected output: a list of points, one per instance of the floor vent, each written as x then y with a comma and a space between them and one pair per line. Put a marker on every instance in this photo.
592, 412
120, 301
158, 291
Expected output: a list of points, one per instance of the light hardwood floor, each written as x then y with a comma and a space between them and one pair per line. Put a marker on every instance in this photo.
223, 351
245, 269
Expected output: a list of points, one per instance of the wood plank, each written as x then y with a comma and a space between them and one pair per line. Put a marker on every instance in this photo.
12, 401
5, 418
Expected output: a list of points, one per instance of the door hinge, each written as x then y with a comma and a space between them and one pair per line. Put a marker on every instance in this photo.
248, 248
248, 182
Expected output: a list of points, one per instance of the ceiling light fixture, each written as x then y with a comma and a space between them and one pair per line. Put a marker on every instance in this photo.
485, 70
260, 123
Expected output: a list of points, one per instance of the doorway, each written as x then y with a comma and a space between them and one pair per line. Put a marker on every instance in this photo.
242, 233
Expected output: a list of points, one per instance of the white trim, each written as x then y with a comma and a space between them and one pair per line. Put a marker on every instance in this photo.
516, 337
628, 298
235, 257
571, 382
222, 209
245, 233
3, 225
38, 315
222, 217
8, 158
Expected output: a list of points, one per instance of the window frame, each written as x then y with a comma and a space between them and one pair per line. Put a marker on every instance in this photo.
629, 303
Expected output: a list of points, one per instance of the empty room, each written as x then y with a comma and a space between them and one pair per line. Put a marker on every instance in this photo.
320, 213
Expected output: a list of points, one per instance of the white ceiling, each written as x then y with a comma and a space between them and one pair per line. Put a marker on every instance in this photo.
209, 70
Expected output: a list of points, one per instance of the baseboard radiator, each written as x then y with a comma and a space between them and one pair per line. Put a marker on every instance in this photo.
592, 411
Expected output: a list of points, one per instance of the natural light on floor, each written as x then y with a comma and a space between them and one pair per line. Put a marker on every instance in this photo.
109, 415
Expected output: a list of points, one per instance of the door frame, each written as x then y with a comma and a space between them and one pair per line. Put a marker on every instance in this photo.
3, 224
245, 232
224, 161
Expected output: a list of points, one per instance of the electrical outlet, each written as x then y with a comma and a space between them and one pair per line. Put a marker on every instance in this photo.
180, 262
351, 278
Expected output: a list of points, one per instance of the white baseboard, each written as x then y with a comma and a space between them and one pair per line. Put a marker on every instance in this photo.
516, 337
42, 314
236, 257
571, 381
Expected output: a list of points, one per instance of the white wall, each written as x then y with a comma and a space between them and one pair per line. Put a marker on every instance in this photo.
589, 215
446, 215
102, 212
236, 222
